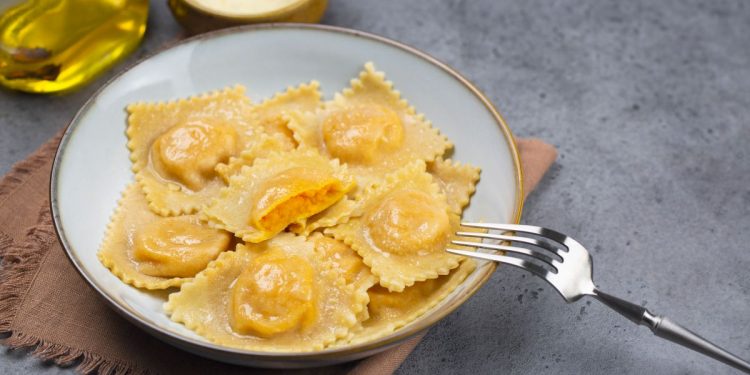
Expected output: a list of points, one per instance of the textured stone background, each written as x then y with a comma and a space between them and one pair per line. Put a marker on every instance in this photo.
648, 103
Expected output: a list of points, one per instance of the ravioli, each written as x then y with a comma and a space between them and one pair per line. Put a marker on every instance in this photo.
457, 181
345, 208
348, 264
154, 252
277, 296
271, 116
271, 113
389, 311
402, 228
369, 127
265, 145
175, 146
282, 189
344, 260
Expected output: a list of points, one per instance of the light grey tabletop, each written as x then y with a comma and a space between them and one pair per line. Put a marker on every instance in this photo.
649, 105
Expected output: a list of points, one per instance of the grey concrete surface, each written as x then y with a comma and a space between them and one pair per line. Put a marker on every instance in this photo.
649, 105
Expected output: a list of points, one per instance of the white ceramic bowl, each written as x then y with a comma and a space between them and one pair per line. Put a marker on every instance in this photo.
91, 167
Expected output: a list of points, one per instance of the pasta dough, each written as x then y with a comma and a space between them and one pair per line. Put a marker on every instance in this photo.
264, 146
175, 146
370, 128
282, 189
271, 113
404, 227
389, 311
457, 181
154, 252
273, 296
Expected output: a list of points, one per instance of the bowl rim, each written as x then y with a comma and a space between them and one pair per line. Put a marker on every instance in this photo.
330, 354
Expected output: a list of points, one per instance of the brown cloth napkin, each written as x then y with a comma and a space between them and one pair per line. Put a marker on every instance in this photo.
48, 309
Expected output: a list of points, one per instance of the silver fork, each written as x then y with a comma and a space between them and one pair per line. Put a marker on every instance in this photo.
567, 265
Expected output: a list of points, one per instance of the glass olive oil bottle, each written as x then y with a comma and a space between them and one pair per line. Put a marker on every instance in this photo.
51, 46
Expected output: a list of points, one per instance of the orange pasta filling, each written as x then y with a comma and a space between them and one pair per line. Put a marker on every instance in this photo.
293, 195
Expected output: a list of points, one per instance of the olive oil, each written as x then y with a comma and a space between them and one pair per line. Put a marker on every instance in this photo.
51, 46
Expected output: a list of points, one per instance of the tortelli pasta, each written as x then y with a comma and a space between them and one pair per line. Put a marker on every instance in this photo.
175, 146
156, 252
293, 225
273, 296
369, 127
285, 188
402, 228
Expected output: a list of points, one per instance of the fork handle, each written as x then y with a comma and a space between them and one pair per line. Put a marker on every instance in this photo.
667, 329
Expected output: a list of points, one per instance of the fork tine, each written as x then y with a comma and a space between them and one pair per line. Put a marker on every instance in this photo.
513, 249
516, 262
539, 231
502, 237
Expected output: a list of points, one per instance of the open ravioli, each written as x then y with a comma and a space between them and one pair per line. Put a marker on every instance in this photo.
389, 311
369, 127
282, 189
154, 252
457, 181
274, 296
402, 228
175, 146
271, 112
